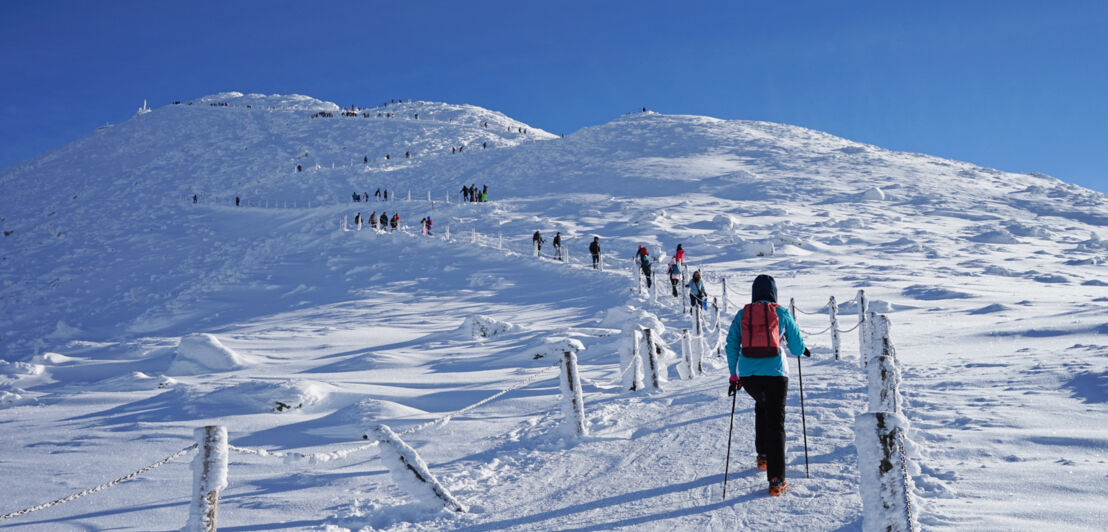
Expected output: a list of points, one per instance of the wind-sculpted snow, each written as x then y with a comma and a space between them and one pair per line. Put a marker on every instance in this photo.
994, 283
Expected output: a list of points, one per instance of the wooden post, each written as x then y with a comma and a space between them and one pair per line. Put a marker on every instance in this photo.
499, 240
209, 478
833, 312
724, 280
686, 353
636, 361
886, 485
652, 358
571, 385
862, 308
405, 465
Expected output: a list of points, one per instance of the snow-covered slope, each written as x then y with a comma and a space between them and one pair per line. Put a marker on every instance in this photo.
130, 315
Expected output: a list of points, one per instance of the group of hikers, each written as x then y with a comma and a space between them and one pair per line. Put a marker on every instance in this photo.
594, 247
675, 269
380, 195
383, 222
471, 193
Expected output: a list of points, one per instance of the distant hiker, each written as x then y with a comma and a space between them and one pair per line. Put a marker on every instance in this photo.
298, 168
697, 295
558, 246
366, 195
429, 224
373, 219
538, 241
423, 226
407, 155
674, 274
358, 219
460, 148
484, 145
365, 159
384, 220
194, 198
395, 220
484, 189
386, 194
680, 255
644, 109
757, 363
236, 201
357, 197
377, 195
387, 156
594, 250
644, 261
453, 149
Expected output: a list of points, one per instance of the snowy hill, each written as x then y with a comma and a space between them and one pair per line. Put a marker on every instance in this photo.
131, 315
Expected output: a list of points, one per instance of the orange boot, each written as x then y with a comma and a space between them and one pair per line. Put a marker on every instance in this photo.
777, 487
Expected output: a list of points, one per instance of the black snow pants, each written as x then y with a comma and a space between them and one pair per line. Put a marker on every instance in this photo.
674, 282
769, 395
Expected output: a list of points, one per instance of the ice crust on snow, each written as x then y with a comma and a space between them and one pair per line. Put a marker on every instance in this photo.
200, 353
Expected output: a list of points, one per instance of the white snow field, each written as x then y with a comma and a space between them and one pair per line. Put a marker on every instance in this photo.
130, 316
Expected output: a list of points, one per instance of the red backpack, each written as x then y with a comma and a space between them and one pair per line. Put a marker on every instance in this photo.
761, 336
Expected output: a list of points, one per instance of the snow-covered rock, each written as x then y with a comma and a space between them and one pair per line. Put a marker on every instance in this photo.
200, 353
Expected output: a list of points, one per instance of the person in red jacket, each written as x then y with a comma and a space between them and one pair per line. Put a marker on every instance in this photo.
680, 255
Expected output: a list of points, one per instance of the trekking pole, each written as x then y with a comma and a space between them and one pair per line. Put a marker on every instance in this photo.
727, 463
803, 422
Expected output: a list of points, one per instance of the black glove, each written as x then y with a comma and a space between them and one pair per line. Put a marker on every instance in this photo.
807, 353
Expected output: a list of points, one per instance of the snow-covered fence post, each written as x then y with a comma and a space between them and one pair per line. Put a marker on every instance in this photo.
833, 312
448, 231
882, 373
652, 358
499, 240
792, 308
209, 477
565, 253
535, 248
573, 401
886, 486
724, 296
409, 194
653, 283
870, 339
411, 473
473, 235
600, 261
686, 368
633, 380
344, 226
637, 272
862, 308
428, 196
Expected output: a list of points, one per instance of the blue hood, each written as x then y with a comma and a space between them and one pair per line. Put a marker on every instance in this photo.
764, 289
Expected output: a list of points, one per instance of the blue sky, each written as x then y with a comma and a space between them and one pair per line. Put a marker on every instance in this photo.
1019, 86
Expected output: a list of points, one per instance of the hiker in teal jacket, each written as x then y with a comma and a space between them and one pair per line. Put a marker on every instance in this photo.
757, 363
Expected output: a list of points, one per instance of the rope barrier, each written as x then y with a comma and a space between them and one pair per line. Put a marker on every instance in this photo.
856, 325
446, 418
815, 333
104, 486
